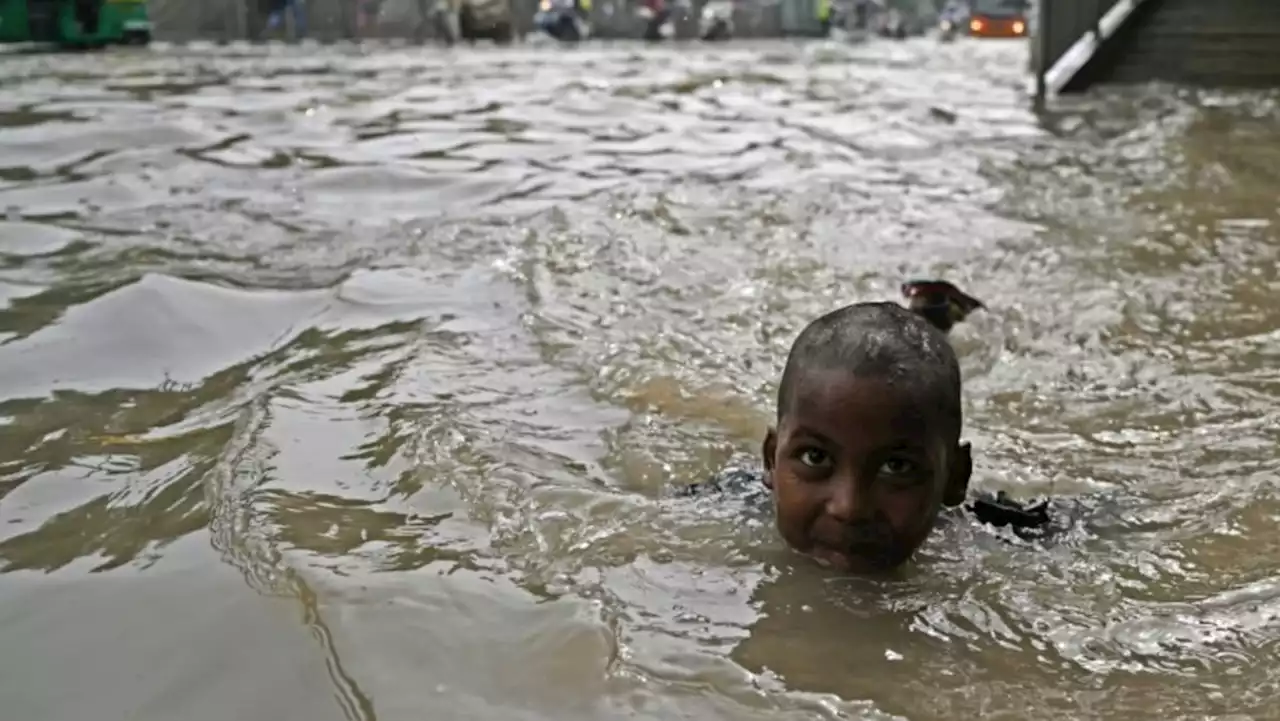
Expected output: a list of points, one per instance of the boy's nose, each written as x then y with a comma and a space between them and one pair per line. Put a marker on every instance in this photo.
846, 502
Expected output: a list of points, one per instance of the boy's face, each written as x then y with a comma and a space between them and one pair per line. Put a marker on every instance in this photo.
859, 470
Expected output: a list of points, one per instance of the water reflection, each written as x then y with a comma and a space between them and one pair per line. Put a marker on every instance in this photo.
351, 384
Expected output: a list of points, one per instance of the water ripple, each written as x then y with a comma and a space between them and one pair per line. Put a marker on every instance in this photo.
370, 372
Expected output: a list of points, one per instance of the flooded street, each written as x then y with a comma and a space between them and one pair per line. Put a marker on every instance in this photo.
353, 384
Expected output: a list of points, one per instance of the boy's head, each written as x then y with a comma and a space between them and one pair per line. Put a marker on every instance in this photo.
867, 444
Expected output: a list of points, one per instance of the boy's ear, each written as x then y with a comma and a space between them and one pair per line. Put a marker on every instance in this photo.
958, 477
769, 451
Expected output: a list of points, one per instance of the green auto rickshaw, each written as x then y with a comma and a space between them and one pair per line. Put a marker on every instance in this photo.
75, 23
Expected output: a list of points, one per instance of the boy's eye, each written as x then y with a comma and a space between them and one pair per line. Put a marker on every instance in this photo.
898, 467
814, 457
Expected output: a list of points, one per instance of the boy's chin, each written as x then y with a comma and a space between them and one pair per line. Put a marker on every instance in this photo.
847, 562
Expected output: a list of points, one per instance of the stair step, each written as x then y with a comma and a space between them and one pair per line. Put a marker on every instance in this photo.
1243, 46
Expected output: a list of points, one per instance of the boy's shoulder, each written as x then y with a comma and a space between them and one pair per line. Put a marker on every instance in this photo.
734, 481
1039, 518
1024, 517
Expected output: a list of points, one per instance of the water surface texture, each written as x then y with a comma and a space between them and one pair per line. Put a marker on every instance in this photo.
353, 384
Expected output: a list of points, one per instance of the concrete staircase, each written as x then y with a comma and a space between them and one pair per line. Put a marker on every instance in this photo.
1217, 43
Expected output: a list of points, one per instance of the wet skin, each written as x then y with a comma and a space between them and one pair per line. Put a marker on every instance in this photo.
859, 469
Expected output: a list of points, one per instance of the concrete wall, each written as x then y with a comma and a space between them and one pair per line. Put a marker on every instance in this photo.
226, 20
1065, 21
1218, 43
1223, 43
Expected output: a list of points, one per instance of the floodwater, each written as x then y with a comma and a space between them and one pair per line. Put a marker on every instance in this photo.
352, 384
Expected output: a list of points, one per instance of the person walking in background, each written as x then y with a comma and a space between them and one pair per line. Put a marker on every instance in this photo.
367, 12
658, 12
297, 12
861, 14
955, 12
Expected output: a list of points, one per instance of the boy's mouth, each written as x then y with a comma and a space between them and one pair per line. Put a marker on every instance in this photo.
861, 548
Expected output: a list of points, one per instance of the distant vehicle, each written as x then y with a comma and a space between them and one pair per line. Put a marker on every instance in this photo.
947, 30
483, 20
951, 20
716, 21
560, 19
75, 23
998, 18
660, 16
892, 25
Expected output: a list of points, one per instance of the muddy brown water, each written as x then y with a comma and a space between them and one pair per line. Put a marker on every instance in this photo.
350, 384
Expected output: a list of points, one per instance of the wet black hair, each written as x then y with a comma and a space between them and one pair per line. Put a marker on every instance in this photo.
878, 340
